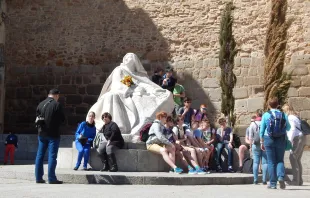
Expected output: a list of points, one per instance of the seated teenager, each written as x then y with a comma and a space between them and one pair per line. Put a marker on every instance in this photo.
202, 152
181, 140
187, 113
205, 135
224, 140
159, 144
244, 147
201, 114
178, 149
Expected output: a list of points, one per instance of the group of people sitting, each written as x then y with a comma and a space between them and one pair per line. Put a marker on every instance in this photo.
190, 138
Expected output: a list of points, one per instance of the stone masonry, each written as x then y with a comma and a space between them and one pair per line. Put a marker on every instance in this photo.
75, 44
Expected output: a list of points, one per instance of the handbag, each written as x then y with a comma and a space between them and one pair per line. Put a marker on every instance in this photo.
288, 144
97, 140
83, 140
40, 120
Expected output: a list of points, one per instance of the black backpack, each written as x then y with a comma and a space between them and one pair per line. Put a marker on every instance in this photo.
247, 165
304, 127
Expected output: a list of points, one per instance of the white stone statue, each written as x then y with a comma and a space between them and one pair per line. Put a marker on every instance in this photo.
131, 107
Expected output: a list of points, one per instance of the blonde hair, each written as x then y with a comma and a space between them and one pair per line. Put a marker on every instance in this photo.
288, 109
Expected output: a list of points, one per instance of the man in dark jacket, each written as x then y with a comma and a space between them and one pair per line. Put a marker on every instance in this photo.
168, 81
51, 113
158, 75
11, 145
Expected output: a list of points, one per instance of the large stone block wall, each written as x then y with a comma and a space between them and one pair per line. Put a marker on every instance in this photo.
75, 44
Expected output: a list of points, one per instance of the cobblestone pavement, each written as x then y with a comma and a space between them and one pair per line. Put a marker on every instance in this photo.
20, 188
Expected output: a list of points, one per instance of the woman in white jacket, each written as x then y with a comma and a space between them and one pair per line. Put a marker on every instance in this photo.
298, 141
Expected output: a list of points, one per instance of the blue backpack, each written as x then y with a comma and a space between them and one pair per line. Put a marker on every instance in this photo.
276, 124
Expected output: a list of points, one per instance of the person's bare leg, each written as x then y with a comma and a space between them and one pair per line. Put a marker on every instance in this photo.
199, 157
208, 155
171, 151
164, 153
242, 150
193, 156
180, 155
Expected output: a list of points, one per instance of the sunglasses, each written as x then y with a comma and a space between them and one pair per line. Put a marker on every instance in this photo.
188, 102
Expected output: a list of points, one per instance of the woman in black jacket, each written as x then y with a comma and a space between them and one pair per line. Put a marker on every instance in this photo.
114, 140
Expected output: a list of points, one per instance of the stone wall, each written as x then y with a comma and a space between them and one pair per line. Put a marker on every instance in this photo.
2, 66
75, 44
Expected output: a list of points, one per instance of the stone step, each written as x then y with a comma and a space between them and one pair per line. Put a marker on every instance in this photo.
25, 172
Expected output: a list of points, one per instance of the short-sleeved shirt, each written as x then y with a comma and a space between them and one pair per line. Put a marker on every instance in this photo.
200, 116
178, 132
226, 135
247, 132
198, 133
188, 115
178, 89
169, 134
206, 135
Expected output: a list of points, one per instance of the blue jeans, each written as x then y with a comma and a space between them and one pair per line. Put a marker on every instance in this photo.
275, 149
219, 149
52, 144
83, 151
257, 155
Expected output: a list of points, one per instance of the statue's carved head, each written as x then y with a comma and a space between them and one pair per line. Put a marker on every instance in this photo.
130, 61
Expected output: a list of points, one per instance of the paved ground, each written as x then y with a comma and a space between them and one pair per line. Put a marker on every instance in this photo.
20, 188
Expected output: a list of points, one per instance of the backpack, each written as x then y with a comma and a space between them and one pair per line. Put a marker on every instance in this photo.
304, 127
276, 124
256, 137
236, 141
247, 165
144, 132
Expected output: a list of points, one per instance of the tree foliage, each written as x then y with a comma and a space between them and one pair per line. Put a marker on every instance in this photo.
227, 54
276, 81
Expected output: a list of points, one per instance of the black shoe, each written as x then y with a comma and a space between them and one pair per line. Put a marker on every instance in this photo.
219, 169
4, 163
41, 181
112, 163
85, 169
230, 170
75, 168
240, 169
56, 182
255, 183
104, 160
264, 183
282, 184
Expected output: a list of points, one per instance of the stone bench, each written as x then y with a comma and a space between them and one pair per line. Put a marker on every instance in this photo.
132, 158
135, 158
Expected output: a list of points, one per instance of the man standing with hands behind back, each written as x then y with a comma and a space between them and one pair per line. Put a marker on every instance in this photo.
51, 117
